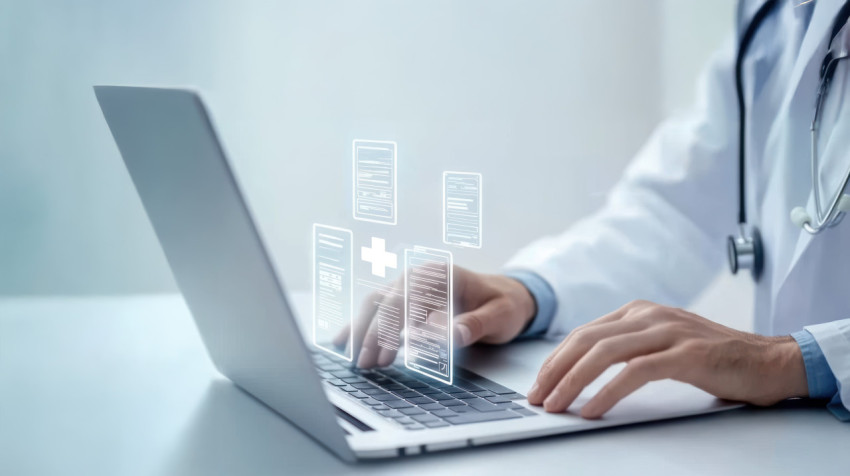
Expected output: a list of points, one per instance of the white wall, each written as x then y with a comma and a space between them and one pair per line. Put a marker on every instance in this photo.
548, 99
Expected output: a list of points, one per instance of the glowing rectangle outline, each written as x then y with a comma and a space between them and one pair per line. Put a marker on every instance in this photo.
350, 298
354, 181
480, 209
450, 316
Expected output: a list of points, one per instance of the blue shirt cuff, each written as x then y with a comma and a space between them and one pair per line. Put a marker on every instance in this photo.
544, 299
821, 380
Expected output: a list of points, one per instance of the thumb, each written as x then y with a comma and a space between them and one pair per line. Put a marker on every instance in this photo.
472, 326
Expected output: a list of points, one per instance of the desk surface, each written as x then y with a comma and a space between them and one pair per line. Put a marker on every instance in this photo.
123, 385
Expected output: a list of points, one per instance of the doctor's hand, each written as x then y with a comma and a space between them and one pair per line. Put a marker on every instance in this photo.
492, 309
659, 342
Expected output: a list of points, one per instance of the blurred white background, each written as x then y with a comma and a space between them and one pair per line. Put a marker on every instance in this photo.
548, 99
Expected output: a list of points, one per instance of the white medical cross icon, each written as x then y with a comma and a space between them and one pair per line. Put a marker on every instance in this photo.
379, 257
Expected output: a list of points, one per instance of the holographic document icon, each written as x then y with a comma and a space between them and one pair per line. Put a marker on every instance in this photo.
462, 200
428, 312
333, 290
375, 175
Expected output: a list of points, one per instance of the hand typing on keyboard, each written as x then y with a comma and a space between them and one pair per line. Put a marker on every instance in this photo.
492, 309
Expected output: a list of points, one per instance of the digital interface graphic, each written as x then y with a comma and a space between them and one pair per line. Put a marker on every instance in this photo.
333, 290
462, 219
375, 175
428, 312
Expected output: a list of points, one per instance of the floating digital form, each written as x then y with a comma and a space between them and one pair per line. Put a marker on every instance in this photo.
333, 290
462, 199
428, 312
375, 175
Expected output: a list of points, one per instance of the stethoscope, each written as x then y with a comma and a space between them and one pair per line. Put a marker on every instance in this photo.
746, 250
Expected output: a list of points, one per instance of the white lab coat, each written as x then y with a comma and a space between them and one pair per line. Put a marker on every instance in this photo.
661, 235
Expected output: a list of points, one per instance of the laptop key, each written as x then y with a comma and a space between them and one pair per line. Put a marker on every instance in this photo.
407, 393
436, 424
337, 382
419, 400
445, 412
363, 385
387, 397
484, 393
395, 386
424, 417
454, 390
342, 373
416, 384
348, 388
497, 399
441, 396
412, 411
372, 402
373, 391
353, 380
481, 417
397, 404
451, 403
429, 391
464, 395
483, 406
405, 421
513, 396
358, 395
431, 407
462, 409
509, 406
415, 426
391, 414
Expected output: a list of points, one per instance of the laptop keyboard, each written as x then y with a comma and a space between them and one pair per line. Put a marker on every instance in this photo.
417, 402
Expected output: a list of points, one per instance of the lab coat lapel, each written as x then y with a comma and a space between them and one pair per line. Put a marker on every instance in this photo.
805, 71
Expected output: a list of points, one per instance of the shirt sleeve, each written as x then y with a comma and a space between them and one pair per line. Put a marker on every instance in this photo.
545, 301
833, 340
821, 380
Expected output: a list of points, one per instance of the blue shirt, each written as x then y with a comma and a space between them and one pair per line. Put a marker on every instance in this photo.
820, 379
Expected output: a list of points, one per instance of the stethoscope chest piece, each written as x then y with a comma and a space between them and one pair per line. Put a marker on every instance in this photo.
746, 252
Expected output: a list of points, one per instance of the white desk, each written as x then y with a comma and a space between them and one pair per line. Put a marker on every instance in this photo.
123, 385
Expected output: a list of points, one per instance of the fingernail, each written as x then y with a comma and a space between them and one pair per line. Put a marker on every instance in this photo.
365, 358
533, 392
552, 402
464, 334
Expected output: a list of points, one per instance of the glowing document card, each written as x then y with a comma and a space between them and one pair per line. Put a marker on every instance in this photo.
428, 312
375, 194
333, 290
462, 209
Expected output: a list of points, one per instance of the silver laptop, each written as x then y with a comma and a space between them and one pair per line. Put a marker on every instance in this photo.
238, 302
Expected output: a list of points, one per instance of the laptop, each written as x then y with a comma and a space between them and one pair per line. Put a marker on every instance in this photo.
251, 331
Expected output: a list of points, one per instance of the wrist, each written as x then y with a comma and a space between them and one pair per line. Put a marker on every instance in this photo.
787, 369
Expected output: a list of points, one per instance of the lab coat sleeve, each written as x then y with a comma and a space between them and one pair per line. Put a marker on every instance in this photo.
661, 234
833, 338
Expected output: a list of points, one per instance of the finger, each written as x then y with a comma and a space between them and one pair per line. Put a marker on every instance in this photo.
636, 374
602, 355
360, 325
607, 318
370, 349
387, 315
580, 341
472, 326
